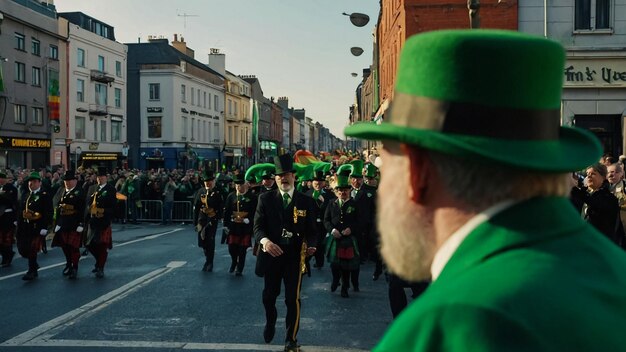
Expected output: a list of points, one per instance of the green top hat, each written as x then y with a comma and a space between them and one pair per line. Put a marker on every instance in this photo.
357, 168
33, 176
489, 95
261, 171
284, 164
342, 177
319, 175
304, 172
370, 170
208, 175
239, 179
69, 175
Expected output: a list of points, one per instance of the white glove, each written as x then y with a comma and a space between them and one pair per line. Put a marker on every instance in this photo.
15, 223
226, 230
43, 232
79, 229
246, 221
57, 228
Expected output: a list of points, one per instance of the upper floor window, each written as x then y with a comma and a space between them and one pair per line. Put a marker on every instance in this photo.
118, 69
155, 91
193, 95
36, 76
80, 57
37, 116
20, 113
118, 98
80, 90
592, 15
36, 47
20, 43
54, 52
101, 94
20, 72
100, 63
183, 93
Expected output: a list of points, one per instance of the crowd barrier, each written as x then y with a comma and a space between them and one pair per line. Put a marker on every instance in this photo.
152, 211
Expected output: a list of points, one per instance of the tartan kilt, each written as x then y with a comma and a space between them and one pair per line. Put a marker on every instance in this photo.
68, 238
104, 237
240, 240
7, 237
29, 244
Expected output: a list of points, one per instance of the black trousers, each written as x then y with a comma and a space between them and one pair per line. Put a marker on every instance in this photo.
397, 296
238, 256
285, 270
208, 244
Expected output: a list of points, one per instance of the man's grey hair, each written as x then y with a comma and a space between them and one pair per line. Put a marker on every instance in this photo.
479, 185
618, 167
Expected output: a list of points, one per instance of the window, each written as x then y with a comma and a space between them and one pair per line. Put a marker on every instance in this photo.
198, 98
37, 76
20, 43
236, 105
80, 57
118, 98
586, 19
36, 47
183, 93
216, 103
184, 127
100, 63
230, 107
155, 93
80, 90
103, 131
54, 52
154, 126
193, 94
118, 69
209, 100
116, 131
95, 130
20, 113
193, 128
79, 127
37, 116
204, 100
216, 131
230, 134
236, 136
101, 94
20, 72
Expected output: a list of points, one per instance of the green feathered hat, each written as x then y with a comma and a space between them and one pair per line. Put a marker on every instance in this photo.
484, 95
371, 170
33, 176
342, 178
259, 171
322, 166
303, 172
357, 168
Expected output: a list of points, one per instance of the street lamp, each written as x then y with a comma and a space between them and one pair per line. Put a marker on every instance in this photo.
358, 19
356, 51
78, 152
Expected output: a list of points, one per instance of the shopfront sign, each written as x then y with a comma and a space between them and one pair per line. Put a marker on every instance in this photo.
595, 73
99, 156
29, 143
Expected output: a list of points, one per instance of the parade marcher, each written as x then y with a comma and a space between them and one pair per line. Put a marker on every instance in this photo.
208, 209
8, 219
342, 222
263, 175
322, 197
474, 180
284, 225
371, 184
35, 218
397, 294
615, 176
70, 223
268, 183
239, 211
168, 199
100, 210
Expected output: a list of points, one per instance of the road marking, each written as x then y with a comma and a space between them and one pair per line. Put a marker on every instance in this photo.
179, 345
47, 330
150, 237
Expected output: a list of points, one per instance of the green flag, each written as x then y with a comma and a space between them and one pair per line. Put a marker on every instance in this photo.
255, 131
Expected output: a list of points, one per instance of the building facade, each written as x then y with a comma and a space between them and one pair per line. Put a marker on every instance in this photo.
593, 33
238, 119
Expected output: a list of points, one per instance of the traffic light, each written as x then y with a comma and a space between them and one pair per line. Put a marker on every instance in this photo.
57, 129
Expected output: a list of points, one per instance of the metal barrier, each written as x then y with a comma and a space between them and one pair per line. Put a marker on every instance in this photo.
150, 210
182, 211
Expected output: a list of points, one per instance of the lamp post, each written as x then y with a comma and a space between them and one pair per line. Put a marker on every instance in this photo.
78, 152
474, 6
358, 19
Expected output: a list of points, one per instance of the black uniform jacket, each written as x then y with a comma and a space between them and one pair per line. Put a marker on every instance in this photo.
71, 209
320, 208
8, 206
287, 228
35, 213
342, 218
208, 208
238, 208
100, 214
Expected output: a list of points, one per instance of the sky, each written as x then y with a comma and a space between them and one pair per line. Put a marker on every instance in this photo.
296, 48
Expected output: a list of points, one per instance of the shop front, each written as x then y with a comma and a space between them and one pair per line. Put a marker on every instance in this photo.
95, 159
594, 98
176, 158
23, 152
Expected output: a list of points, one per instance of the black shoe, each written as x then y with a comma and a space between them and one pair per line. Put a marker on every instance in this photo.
74, 274
344, 293
292, 346
238, 273
67, 269
268, 332
31, 275
356, 289
100, 273
333, 286
84, 254
6, 261
95, 270
209, 267
376, 275
232, 267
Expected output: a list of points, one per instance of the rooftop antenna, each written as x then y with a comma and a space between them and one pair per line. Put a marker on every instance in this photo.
184, 16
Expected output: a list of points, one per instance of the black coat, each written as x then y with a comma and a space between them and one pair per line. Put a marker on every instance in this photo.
602, 211
70, 209
245, 203
105, 199
365, 199
8, 201
320, 209
271, 219
347, 216
208, 207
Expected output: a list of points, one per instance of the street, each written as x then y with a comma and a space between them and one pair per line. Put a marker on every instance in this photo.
155, 296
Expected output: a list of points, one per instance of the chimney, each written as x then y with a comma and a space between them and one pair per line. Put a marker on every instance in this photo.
182, 46
217, 61
283, 102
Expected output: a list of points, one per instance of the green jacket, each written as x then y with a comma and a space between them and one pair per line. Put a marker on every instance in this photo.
535, 277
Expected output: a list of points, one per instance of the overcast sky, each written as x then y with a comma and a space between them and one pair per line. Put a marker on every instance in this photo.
297, 48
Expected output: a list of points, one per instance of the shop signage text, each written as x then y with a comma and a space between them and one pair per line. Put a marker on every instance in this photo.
595, 73
12, 142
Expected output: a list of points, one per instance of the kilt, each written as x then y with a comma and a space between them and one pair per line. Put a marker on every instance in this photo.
7, 237
240, 240
68, 238
100, 237
26, 245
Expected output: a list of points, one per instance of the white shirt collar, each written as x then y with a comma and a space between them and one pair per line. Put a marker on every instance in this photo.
290, 193
453, 242
35, 191
69, 190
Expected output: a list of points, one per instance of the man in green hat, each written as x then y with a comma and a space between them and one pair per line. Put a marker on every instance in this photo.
322, 197
208, 210
8, 219
513, 265
365, 198
34, 219
239, 209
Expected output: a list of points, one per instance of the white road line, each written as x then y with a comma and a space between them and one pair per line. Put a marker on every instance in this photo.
151, 237
47, 330
179, 345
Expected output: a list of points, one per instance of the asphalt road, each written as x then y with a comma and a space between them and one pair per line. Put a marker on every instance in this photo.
155, 297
